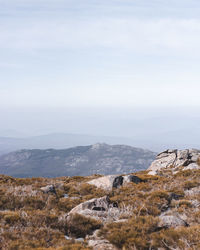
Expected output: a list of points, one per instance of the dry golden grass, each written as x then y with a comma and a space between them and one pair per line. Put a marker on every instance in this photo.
32, 219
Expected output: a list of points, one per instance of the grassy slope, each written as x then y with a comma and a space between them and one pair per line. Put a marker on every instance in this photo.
31, 219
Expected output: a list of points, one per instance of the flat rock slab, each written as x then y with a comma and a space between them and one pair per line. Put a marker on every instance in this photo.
114, 181
101, 245
98, 208
105, 182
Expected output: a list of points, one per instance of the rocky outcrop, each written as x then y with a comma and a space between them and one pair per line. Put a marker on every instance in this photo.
98, 208
113, 181
186, 159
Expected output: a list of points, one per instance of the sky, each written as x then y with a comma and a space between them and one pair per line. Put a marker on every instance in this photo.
98, 60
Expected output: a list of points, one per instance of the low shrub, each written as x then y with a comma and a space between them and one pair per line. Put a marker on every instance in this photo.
135, 233
177, 238
191, 184
79, 226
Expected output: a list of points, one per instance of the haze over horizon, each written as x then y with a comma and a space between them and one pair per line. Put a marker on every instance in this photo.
107, 68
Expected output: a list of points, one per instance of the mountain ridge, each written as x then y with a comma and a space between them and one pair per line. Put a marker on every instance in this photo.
99, 158
58, 141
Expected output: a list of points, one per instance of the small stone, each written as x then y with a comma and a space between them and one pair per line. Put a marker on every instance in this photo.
67, 237
79, 239
101, 244
152, 172
49, 189
167, 221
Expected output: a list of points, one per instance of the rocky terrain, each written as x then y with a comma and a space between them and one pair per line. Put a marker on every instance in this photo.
134, 211
83, 160
175, 160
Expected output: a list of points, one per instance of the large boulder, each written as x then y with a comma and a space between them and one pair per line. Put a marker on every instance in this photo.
98, 208
186, 159
114, 181
105, 182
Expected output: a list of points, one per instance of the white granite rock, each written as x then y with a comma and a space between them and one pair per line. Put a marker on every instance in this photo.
186, 159
98, 208
105, 182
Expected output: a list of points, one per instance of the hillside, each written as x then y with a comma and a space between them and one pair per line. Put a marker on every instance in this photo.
83, 160
135, 211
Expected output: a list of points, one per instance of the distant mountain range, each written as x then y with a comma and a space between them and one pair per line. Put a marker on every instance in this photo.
153, 140
57, 141
82, 160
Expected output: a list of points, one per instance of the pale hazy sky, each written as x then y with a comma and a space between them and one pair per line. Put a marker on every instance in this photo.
97, 54
123, 53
